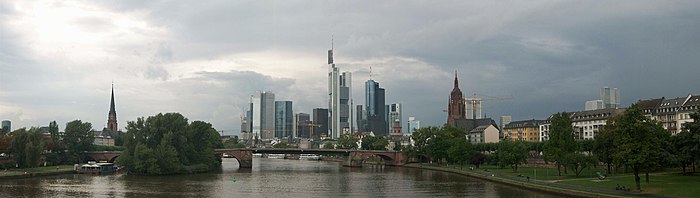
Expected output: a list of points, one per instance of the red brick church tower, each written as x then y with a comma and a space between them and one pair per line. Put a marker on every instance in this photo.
455, 109
112, 117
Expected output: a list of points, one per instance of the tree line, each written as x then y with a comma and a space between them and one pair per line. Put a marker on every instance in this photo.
630, 140
27, 146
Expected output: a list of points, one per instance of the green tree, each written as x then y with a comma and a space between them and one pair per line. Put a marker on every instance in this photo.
374, 143
27, 147
477, 159
639, 141
459, 151
561, 140
604, 147
233, 143
328, 145
168, 144
511, 153
347, 142
78, 138
689, 145
579, 161
55, 139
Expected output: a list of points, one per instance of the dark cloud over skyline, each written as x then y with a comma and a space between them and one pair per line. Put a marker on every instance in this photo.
58, 58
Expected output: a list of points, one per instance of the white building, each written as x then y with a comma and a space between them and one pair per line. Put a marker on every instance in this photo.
544, 130
587, 123
673, 113
610, 97
484, 134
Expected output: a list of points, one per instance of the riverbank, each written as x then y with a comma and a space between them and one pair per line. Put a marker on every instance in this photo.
562, 189
36, 172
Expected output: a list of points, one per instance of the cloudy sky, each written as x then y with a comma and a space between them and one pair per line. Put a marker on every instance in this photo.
204, 59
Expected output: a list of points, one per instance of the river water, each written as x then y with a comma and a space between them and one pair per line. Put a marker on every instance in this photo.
269, 178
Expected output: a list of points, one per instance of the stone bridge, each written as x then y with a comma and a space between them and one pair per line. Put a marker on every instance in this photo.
353, 157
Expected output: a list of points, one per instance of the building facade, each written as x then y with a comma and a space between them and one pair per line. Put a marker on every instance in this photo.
340, 100
484, 134
302, 125
587, 123
376, 109
395, 121
413, 125
263, 115
610, 97
284, 119
6, 126
112, 115
525, 130
594, 105
320, 118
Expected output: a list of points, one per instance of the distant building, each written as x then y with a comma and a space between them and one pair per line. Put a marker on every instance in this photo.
525, 130
594, 105
587, 123
263, 118
360, 119
6, 126
395, 121
610, 97
302, 125
503, 122
473, 108
484, 134
672, 113
104, 138
340, 100
284, 119
245, 133
376, 109
320, 118
413, 125
455, 105
544, 130
112, 115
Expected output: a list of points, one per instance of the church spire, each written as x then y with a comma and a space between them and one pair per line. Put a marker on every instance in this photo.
112, 116
456, 81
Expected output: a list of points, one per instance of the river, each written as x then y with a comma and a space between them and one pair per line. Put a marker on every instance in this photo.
269, 178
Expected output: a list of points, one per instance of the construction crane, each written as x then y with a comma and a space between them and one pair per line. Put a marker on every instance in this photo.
475, 104
311, 128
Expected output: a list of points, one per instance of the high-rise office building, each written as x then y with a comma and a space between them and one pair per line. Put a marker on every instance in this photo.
245, 135
302, 125
340, 99
320, 118
610, 97
263, 119
473, 110
395, 120
6, 126
594, 105
413, 125
376, 109
505, 120
284, 118
360, 119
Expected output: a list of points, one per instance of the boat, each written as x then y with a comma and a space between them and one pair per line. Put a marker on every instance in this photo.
309, 157
95, 168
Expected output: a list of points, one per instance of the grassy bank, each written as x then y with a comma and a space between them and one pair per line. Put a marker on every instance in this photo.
38, 171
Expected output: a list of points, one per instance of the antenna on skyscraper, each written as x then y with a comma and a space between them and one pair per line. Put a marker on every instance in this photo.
370, 72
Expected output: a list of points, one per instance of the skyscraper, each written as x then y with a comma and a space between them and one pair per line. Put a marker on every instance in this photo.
395, 118
302, 125
263, 119
455, 107
413, 125
610, 97
6, 126
284, 117
360, 119
321, 119
340, 99
594, 104
112, 116
375, 108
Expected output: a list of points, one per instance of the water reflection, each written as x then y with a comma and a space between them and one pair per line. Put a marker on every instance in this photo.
268, 178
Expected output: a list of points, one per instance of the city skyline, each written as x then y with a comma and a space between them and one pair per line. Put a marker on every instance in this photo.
57, 59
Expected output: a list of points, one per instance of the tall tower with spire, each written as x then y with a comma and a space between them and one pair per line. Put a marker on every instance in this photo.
112, 117
455, 107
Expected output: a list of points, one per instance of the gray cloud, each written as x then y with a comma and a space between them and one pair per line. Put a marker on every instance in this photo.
195, 58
